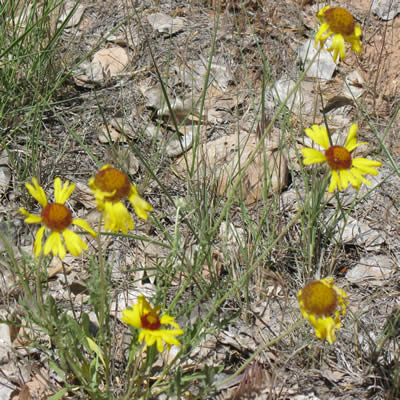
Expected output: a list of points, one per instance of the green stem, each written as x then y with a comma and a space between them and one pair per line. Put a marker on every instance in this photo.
101, 314
134, 375
260, 143
39, 291
235, 287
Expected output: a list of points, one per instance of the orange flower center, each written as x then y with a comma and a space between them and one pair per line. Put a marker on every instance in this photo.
339, 20
56, 216
319, 299
109, 180
338, 157
150, 321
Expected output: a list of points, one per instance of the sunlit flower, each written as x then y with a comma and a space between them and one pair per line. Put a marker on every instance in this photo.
344, 168
339, 22
142, 316
56, 217
321, 302
110, 186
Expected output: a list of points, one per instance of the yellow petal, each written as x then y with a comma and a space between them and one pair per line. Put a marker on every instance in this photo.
356, 45
37, 247
321, 13
366, 166
37, 192
54, 244
168, 320
84, 225
312, 156
141, 206
62, 193
344, 178
319, 37
142, 335
160, 345
335, 182
355, 182
148, 337
338, 47
359, 176
30, 218
74, 243
132, 317
116, 217
325, 329
351, 140
319, 135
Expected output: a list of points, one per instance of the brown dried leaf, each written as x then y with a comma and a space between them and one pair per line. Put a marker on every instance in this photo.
25, 393
84, 195
110, 134
107, 63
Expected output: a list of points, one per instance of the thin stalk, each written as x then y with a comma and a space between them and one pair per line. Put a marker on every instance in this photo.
101, 314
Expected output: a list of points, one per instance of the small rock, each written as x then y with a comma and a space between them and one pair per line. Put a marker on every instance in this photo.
360, 234
385, 9
179, 146
375, 270
323, 66
5, 336
353, 86
5, 177
76, 15
152, 132
165, 24
77, 287
303, 100
153, 95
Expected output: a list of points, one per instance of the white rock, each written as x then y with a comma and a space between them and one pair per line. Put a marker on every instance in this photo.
76, 16
5, 177
359, 233
373, 270
386, 9
323, 66
166, 24
5, 389
303, 100
178, 146
353, 86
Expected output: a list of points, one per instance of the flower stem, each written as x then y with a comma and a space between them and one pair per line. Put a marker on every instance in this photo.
104, 334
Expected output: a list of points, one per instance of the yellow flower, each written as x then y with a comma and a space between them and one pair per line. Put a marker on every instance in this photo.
110, 186
319, 302
344, 169
338, 22
143, 316
57, 218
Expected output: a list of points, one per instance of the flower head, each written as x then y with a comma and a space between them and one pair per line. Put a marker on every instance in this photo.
110, 186
339, 22
320, 302
56, 217
344, 168
142, 316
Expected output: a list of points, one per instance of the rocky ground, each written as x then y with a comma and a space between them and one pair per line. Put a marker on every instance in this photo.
114, 106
